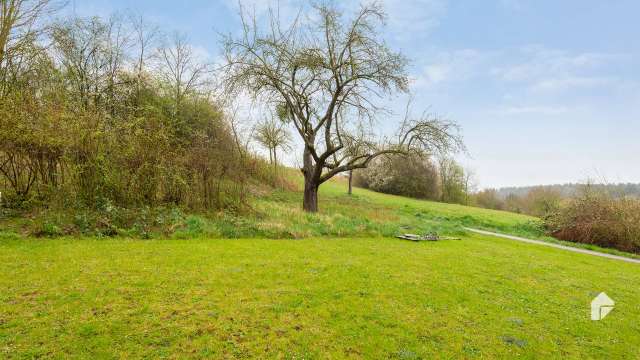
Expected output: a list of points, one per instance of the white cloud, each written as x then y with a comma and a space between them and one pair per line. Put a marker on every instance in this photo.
534, 68
570, 82
452, 66
413, 19
201, 54
437, 73
553, 70
532, 110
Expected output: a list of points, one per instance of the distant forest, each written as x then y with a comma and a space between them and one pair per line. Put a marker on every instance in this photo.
569, 190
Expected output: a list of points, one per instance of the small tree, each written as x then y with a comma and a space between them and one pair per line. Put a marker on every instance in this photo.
454, 183
272, 134
323, 75
181, 69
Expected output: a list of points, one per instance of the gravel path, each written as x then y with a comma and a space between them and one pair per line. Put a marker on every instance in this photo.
557, 246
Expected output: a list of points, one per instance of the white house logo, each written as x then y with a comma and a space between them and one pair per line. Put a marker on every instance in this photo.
601, 306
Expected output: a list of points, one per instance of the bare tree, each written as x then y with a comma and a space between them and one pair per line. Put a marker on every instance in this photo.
469, 184
145, 35
18, 23
455, 183
272, 134
323, 75
181, 69
116, 48
87, 53
21, 24
144, 38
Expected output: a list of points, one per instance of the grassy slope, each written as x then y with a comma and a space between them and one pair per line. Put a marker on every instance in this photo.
367, 213
318, 297
278, 214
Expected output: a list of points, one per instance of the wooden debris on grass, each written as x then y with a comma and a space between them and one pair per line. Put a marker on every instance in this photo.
426, 237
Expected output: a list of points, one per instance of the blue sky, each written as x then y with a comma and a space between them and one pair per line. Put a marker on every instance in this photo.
547, 91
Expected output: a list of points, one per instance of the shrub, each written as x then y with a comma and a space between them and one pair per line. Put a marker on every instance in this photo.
596, 217
49, 229
412, 176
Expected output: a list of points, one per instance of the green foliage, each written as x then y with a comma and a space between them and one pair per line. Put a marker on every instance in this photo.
275, 213
9, 235
49, 229
78, 128
194, 227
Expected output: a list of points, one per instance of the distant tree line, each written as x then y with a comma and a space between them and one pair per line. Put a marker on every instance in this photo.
571, 189
543, 199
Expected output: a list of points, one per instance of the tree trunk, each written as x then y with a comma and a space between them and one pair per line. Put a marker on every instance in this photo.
310, 202
275, 163
350, 181
311, 183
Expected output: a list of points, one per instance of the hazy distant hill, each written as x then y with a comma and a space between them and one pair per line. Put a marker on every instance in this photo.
618, 190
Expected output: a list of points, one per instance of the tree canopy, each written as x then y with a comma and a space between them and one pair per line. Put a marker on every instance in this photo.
324, 75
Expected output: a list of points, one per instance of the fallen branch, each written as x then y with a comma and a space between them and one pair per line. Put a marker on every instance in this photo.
427, 237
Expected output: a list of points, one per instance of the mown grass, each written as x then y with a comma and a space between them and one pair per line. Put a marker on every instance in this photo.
480, 297
334, 286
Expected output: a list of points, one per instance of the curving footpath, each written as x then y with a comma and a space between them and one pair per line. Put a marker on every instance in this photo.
557, 246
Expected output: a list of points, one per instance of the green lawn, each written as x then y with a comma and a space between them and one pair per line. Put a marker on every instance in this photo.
335, 285
312, 298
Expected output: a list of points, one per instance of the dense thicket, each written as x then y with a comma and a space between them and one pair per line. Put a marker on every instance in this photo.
96, 111
594, 216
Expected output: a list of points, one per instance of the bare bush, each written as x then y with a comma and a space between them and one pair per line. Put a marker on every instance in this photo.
596, 217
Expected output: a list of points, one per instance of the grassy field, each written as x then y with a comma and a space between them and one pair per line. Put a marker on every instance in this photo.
336, 285
312, 298
370, 213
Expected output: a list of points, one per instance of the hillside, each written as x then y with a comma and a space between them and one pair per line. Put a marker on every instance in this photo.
277, 213
343, 291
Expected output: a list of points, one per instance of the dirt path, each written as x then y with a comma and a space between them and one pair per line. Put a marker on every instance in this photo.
557, 246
